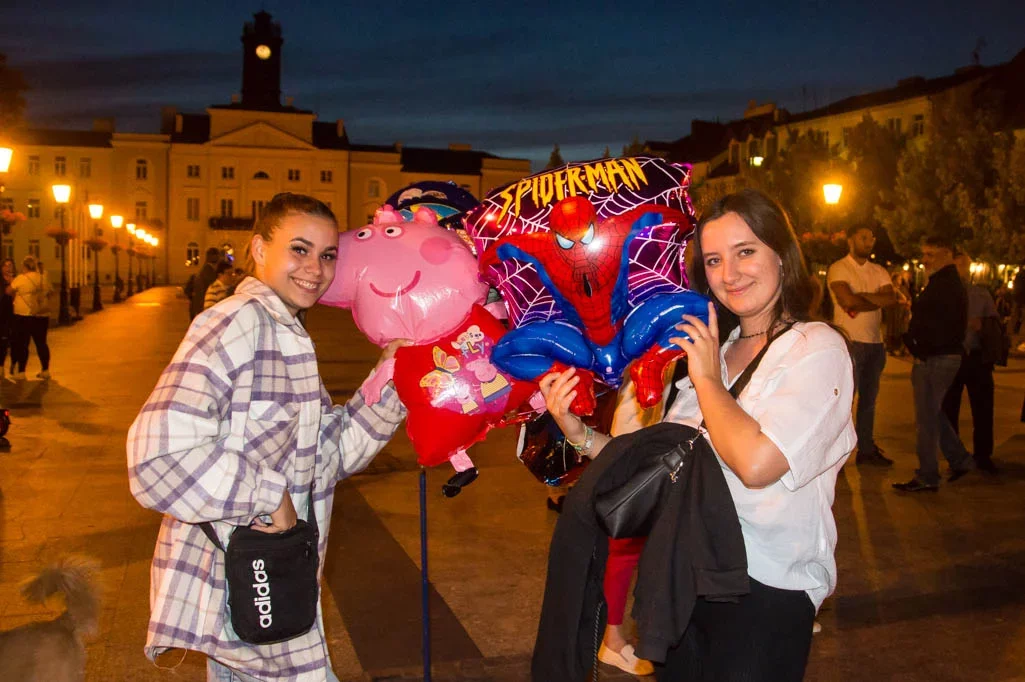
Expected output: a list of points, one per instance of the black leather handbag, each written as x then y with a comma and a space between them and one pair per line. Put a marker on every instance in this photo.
632, 509
272, 580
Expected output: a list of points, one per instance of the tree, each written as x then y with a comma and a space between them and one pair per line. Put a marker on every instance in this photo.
942, 187
1004, 213
874, 154
12, 103
555, 160
635, 148
606, 154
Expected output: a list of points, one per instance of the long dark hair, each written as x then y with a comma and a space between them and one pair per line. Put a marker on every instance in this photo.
772, 226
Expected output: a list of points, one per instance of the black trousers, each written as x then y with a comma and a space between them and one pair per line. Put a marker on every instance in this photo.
977, 377
25, 328
763, 637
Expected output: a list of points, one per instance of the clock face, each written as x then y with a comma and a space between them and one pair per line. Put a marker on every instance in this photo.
263, 52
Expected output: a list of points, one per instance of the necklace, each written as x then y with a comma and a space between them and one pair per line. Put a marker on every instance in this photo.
751, 336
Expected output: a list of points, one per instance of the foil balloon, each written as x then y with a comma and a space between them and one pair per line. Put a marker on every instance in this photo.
448, 200
413, 279
589, 260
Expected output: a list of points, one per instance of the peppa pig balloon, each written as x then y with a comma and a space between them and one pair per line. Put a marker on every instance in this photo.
413, 279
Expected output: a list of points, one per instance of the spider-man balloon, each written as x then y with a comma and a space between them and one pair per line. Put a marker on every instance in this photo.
589, 259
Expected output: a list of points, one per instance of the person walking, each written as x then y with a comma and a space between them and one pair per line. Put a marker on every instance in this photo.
240, 431
976, 371
7, 271
31, 292
206, 276
780, 443
939, 318
41, 322
222, 284
861, 290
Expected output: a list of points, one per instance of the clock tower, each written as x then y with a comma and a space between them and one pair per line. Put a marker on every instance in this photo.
261, 63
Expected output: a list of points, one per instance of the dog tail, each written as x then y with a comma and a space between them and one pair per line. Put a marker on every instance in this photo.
74, 576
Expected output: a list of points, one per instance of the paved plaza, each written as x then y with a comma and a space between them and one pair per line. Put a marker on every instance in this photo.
932, 586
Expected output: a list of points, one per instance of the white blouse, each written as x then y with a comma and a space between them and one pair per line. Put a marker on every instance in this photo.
801, 396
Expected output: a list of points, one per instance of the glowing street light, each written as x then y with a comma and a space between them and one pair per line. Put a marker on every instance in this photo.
62, 195
831, 192
757, 161
5, 159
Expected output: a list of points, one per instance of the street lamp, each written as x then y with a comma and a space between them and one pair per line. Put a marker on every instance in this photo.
154, 242
62, 194
832, 192
131, 233
116, 222
5, 159
96, 212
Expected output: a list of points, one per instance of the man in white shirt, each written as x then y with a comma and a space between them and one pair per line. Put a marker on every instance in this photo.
860, 290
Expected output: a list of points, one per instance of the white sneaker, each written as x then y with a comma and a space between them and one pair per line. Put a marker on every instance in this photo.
625, 660
45, 374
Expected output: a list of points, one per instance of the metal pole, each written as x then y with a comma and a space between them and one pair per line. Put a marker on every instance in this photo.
63, 315
117, 271
97, 304
425, 593
130, 249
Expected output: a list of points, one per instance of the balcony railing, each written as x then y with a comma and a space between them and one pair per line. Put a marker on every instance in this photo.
231, 223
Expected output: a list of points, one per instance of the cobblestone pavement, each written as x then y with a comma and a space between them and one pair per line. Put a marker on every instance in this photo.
931, 586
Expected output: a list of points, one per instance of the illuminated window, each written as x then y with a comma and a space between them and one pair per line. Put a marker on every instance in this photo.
192, 254
33, 208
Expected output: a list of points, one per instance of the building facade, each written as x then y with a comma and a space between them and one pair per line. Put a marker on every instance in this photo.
202, 180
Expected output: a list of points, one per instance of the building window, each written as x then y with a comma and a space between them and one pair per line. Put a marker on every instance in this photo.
846, 135
373, 189
33, 208
293, 175
227, 208
192, 254
85, 167
261, 175
754, 148
192, 170
326, 176
258, 208
227, 172
33, 165
824, 138
33, 248
60, 165
140, 210
893, 125
918, 125
141, 169
192, 208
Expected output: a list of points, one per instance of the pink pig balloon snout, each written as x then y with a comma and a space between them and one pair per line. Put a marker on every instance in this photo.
436, 250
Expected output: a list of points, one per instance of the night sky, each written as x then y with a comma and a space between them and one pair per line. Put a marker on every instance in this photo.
511, 78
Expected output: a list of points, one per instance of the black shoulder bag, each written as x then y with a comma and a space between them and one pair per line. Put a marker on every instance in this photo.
272, 579
632, 509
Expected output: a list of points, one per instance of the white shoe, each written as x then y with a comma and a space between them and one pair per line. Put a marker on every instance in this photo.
45, 374
625, 660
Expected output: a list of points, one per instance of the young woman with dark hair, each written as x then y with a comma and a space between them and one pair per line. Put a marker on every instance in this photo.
781, 443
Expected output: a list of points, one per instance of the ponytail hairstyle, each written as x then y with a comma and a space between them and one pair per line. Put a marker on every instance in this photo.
277, 209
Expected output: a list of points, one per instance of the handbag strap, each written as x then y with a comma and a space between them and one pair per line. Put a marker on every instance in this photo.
741, 383
311, 519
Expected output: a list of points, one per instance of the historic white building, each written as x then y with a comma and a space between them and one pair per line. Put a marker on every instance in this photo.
203, 178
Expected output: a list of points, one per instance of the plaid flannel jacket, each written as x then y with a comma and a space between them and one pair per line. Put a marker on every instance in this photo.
238, 415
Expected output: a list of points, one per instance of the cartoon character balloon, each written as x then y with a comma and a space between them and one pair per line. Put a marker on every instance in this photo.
414, 279
589, 259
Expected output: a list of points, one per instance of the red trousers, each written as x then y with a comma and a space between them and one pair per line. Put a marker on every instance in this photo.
623, 557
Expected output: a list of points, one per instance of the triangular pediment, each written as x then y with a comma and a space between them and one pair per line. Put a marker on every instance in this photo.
260, 134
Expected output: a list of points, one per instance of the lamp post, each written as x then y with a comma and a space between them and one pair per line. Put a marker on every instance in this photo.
131, 233
141, 236
96, 212
62, 194
5, 416
154, 242
116, 222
